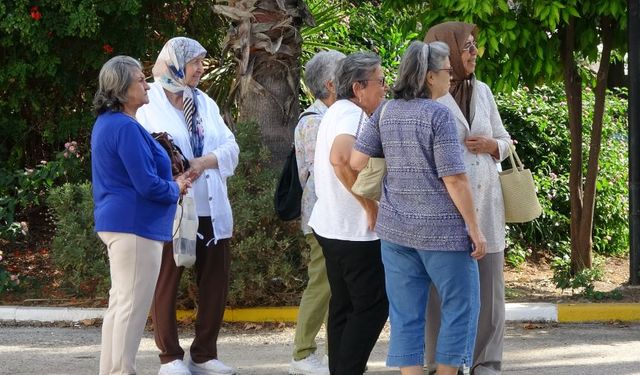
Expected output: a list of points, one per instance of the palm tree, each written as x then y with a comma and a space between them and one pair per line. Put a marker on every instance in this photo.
265, 41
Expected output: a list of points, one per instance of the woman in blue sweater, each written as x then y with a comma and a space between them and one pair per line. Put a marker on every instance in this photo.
135, 200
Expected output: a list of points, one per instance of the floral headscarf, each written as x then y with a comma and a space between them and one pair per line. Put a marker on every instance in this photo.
455, 34
170, 70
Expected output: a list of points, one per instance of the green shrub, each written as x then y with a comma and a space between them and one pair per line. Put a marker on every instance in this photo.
23, 191
76, 249
583, 280
8, 282
51, 52
268, 267
538, 120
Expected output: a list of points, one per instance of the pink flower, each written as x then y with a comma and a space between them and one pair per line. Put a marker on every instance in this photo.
107, 48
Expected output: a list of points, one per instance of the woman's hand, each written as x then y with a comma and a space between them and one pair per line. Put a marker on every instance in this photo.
481, 144
371, 208
184, 182
479, 244
198, 165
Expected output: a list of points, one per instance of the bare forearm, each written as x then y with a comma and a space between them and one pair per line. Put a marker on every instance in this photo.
207, 161
347, 177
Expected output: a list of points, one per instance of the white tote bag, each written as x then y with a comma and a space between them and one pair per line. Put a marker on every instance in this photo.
185, 230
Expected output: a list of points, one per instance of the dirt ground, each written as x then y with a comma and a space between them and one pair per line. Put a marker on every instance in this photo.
532, 282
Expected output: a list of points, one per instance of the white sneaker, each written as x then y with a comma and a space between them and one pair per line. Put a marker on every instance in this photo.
176, 367
312, 365
212, 367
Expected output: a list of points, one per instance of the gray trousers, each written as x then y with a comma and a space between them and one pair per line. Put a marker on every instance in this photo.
487, 355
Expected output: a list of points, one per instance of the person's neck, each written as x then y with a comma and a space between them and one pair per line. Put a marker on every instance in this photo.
355, 101
131, 112
174, 99
328, 101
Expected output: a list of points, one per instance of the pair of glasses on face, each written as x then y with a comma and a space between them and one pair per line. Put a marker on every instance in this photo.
380, 81
470, 46
449, 70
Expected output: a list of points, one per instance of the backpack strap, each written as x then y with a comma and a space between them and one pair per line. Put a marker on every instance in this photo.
305, 114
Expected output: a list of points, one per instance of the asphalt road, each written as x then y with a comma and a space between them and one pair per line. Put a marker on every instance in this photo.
580, 349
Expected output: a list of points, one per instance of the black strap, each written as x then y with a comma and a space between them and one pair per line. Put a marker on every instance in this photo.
305, 114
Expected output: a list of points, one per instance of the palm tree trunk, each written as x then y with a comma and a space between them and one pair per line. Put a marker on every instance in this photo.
265, 41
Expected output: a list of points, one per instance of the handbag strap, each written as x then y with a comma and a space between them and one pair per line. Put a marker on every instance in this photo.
512, 153
179, 203
384, 108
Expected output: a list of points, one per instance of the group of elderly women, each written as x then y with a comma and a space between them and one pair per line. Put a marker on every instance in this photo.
434, 241
435, 238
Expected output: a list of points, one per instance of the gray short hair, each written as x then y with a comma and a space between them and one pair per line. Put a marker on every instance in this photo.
113, 83
320, 69
419, 59
356, 67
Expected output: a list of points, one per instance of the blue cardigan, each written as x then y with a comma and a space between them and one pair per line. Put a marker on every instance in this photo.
133, 190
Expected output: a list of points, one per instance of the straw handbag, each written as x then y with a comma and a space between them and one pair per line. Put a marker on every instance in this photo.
519, 192
369, 181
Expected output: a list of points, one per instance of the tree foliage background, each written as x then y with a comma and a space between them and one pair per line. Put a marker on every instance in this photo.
51, 52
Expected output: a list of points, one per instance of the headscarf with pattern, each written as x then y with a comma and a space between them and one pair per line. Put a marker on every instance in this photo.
170, 71
455, 34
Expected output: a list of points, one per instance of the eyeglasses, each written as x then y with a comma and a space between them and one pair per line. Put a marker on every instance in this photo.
380, 81
470, 46
450, 70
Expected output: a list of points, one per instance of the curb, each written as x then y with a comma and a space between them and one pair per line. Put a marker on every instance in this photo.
515, 312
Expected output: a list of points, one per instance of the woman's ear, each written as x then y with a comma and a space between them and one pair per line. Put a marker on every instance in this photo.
430, 78
357, 89
330, 86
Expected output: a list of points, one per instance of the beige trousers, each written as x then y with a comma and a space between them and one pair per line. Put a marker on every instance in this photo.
134, 264
487, 354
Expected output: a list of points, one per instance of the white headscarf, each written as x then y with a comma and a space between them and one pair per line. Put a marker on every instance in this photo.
170, 71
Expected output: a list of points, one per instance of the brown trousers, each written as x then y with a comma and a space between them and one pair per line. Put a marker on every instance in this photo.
212, 278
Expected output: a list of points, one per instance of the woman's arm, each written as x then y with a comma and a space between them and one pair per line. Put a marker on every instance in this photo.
458, 187
358, 160
498, 144
340, 156
138, 161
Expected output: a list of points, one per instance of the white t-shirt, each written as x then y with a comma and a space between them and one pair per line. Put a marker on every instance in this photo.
337, 214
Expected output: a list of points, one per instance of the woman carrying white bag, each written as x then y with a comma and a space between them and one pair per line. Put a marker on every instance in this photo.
193, 120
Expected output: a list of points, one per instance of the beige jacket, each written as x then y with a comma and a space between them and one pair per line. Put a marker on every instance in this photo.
482, 169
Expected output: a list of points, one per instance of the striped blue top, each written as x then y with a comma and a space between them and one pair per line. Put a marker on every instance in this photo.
419, 142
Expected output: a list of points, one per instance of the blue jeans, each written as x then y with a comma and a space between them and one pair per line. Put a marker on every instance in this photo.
408, 275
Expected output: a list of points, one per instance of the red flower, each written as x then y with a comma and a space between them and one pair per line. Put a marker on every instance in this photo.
35, 13
107, 49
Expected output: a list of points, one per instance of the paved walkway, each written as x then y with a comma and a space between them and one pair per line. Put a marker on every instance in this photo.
540, 349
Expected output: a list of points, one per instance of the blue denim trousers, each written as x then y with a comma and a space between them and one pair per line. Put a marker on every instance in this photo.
408, 274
